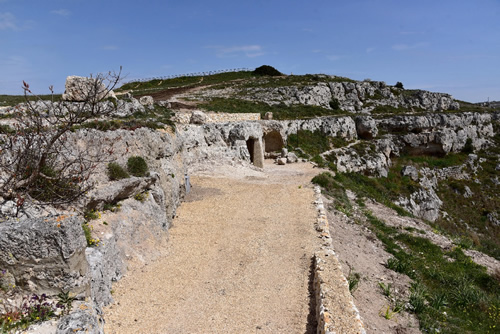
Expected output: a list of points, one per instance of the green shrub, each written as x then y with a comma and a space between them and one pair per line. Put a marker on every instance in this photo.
5, 128
468, 147
417, 297
353, 280
324, 180
399, 85
87, 230
267, 70
334, 104
116, 172
91, 215
141, 197
137, 166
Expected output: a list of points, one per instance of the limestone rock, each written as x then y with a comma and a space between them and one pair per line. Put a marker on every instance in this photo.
45, 255
423, 203
493, 218
467, 192
410, 171
198, 117
366, 127
291, 158
165, 104
268, 115
79, 89
81, 321
119, 190
146, 101
7, 280
127, 108
281, 161
355, 97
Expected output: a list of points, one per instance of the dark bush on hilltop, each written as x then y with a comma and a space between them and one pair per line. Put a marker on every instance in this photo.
137, 166
267, 70
399, 85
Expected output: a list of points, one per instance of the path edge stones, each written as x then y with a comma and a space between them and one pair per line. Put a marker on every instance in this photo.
335, 308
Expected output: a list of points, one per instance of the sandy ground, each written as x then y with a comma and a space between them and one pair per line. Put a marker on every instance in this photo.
238, 260
359, 251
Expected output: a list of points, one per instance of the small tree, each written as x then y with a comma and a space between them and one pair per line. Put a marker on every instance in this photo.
38, 161
399, 85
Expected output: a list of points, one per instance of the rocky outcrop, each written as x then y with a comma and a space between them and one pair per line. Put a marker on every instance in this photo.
84, 320
366, 127
126, 108
198, 117
439, 134
147, 101
343, 127
45, 254
119, 190
79, 89
219, 143
351, 96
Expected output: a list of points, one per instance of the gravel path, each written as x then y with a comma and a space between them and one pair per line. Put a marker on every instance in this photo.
238, 259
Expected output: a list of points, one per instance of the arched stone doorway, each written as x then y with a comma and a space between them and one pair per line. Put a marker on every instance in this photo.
273, 141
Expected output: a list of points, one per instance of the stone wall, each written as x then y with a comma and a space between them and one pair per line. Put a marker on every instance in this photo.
223, 117
185, 117
335, 309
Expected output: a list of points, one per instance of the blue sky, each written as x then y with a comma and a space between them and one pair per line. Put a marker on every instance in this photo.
439, 45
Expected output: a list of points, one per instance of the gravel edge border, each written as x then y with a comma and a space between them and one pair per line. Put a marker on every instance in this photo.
335, 308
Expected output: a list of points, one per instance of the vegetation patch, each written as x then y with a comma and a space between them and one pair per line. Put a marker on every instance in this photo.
450, 294
280, 112
33, 309
140, 88
91, 241
116, 172
312, 143
157, 118
137, 166
384, 191
335, 191
13, 100
449, 160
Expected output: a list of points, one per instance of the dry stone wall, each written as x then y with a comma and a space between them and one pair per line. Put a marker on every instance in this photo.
335, 308
186, 117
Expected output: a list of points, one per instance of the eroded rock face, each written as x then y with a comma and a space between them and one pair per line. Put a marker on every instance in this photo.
147, 101
78, 89
439, 134
81, 321
46, 255
366, 127
198, 117
353, 97
423, 203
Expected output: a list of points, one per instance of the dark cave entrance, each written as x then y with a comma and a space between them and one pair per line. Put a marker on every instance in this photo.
273, 141
251, 147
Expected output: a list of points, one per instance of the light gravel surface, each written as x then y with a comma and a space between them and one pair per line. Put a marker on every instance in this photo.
238, 259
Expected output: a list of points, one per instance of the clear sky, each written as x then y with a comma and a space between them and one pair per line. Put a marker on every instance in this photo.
450, 46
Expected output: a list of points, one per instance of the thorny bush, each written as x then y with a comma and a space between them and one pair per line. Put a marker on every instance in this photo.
40, 161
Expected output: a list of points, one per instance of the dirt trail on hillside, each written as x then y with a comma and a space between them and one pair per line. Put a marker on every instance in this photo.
238, 260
